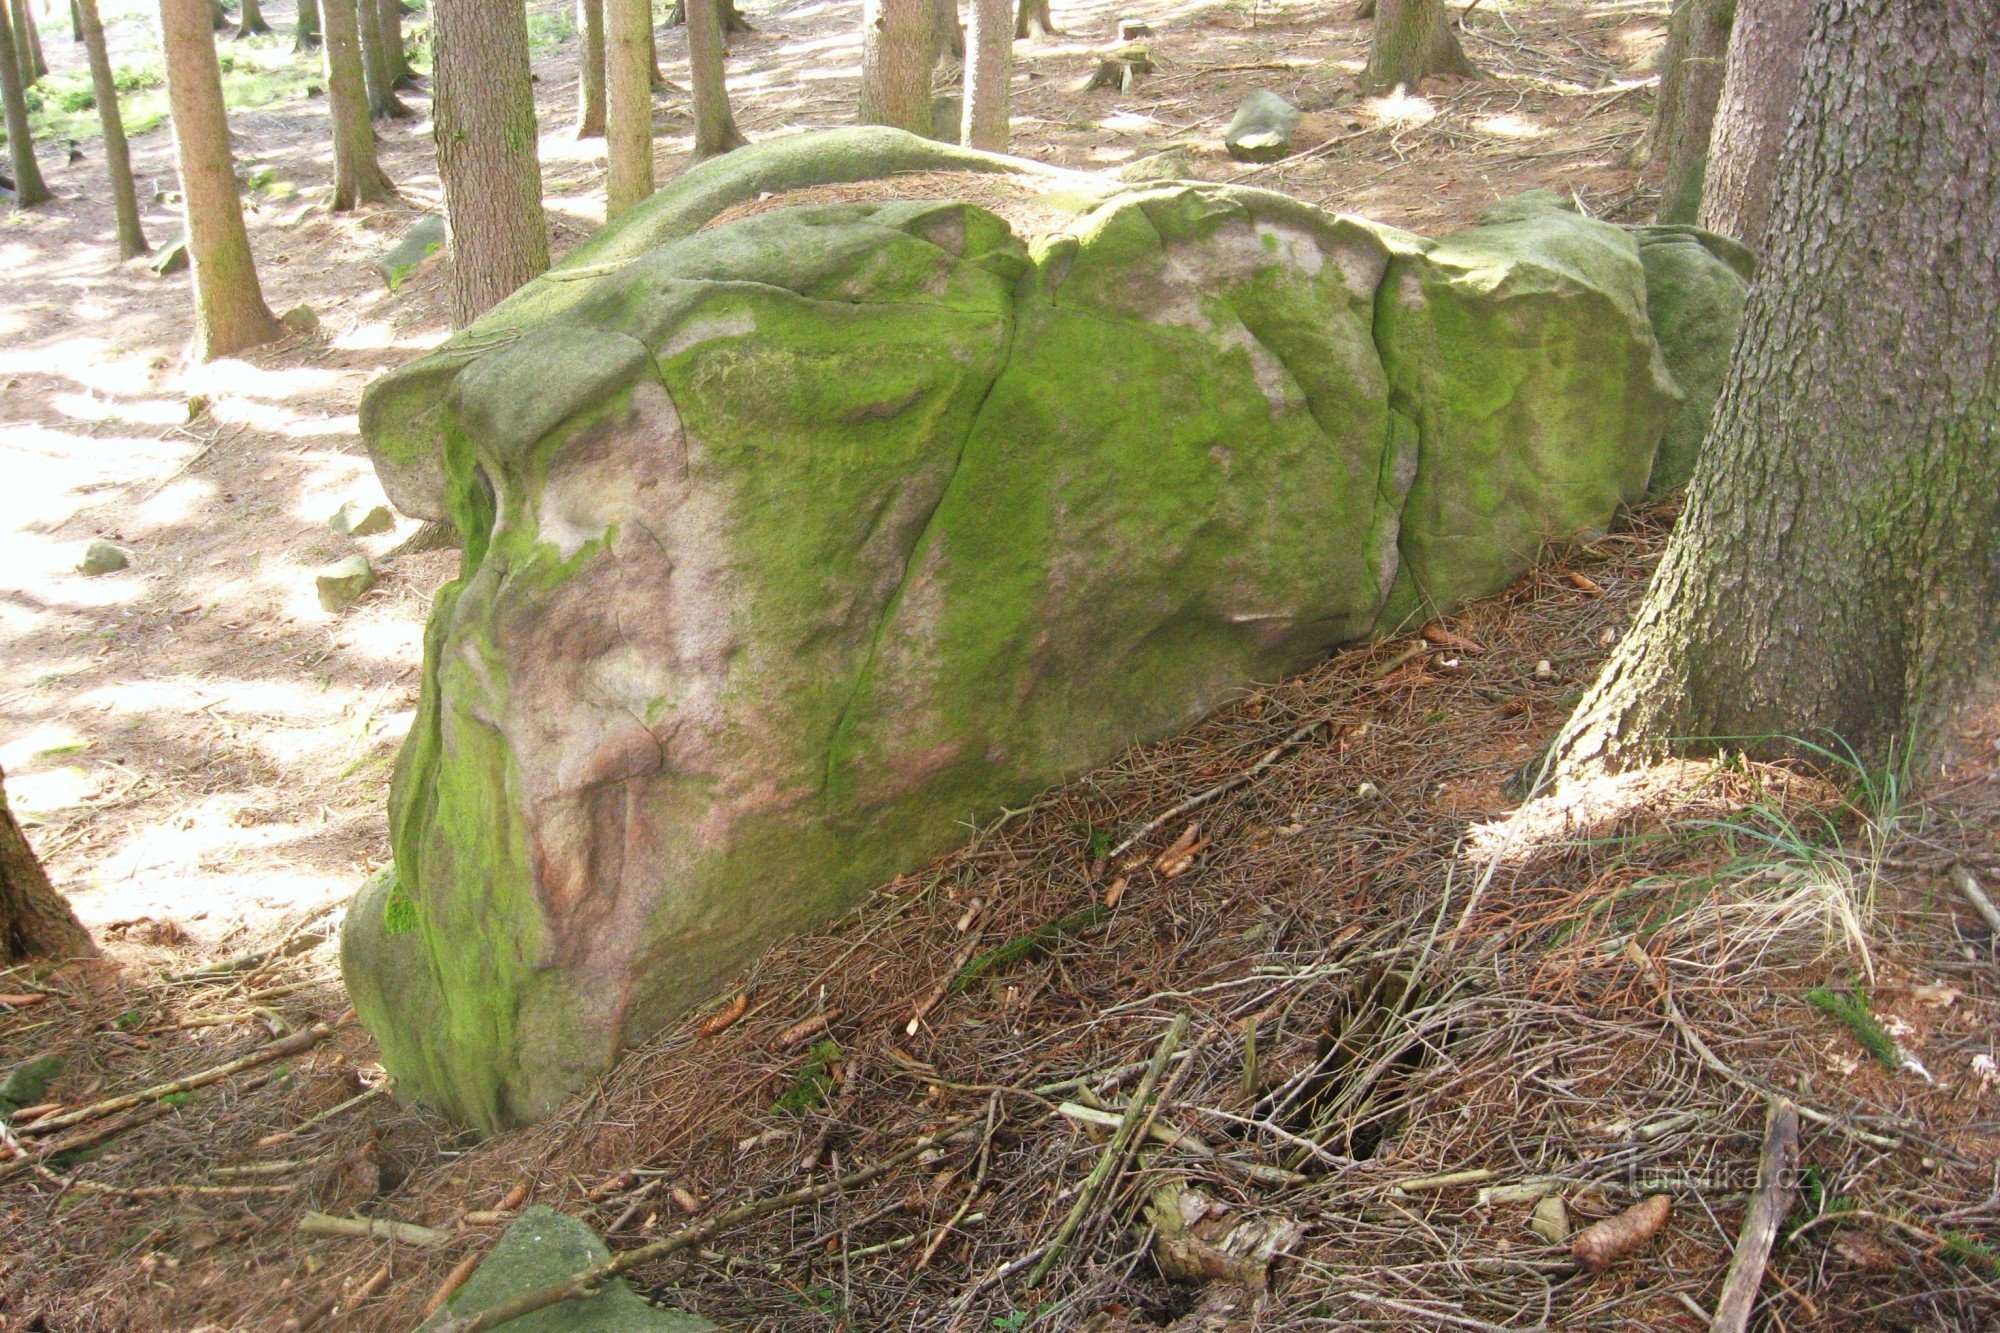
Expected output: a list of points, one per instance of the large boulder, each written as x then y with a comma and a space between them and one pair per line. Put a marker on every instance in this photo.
795, 541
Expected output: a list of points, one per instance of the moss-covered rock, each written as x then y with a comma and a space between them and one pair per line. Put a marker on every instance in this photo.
1696, 283
793, 543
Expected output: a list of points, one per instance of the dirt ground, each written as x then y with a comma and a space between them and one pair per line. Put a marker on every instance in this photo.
202, 757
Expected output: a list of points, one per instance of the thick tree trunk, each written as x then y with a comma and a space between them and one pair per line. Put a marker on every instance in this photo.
305, 34
1835, 579
218, 16
1752, 116
590, 61
628, 104
29, 189
395, 53
1033, 14
1413, 41
250, 19
732, 22
484, 115
358, 177
715, 129
1691, 70
35, 920
377, 71
988, 61
950, 32
898, 53
230, 314
117, 157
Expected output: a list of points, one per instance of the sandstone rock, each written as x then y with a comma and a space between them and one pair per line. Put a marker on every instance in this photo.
340, 583
1261, 130
301, 319
103, 557
1172, 164
792, 543
356, 519
424, 238
1696, 283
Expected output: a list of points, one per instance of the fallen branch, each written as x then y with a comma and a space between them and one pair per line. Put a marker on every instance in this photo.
302, 1040
1022, 945
1170, 1137
1195, 802
408, 1233
1968, 884
1776, 1186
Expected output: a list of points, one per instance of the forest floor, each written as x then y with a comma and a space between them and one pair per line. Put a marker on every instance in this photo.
202, 757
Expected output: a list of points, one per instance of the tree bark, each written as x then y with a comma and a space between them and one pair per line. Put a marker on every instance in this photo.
29, 37
376, 69
732, 21
1835, 579
1691, 69
1413, 41
35, 920
29, 188
358, 177
250, 19
117, 156
230, 314
484, 118
715, 129
1034, 14
218, 15
950, 32
988, 60
628, 104
590, 61
75, 24
1751, 117
898, 53
395, 54
305, 34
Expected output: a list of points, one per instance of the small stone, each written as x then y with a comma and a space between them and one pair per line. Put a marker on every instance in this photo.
1550, 1220
300, 319
1174, 164
355, 519
196, 405
103, 557
1131, 30
424, 239
1262, 128
171, 257
1367, 791
1544, 671
339, 584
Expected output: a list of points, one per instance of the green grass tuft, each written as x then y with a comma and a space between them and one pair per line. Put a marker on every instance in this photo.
1853, 1011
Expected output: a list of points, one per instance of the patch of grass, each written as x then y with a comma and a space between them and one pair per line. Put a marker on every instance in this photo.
551, 27
809, 1090
256, 72
180, 1099
1853, 1012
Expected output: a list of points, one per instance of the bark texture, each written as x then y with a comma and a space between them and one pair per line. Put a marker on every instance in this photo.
988, 67
1691, 70
628, 104
1033, 14
394, 53
377, 69
305, 33
715, 129
898, 53
117, 156
35, 921
1751, 118
1413, 41
1836, 576
230, 314
950, 32
250, 19
484, 119
28, 39
29, 188
590, 69
358, 177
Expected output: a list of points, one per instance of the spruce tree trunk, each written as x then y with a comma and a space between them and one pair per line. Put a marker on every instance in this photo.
1033, 14
1835, 578
250, 19
305, 34
628, 104
898, 53
484, 117
30, 38
715, 129
1752, 115
218, 16
358, 177
29, 189
1413, 40
377, 72
117, 156
75, 24
950, 32
590, 62
35, 920
732, 21
395, 54
989, 56
230, 314
1691, 69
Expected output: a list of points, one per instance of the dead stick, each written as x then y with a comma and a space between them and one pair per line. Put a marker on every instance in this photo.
1223, 788
1777, 1168
586, 1284
409, 1233
304, 1039
1114, 1151
1968, 884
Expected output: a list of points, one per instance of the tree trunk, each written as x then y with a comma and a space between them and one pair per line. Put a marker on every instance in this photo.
230, 314
29, 188
484, 118
218, 15
1033, 14
1835, 579
35, 920
989, 54
950, 32
250, 19
30, 39
117, 157
358, 177
377, 72
1413, 40
732, 22
1752, 115
395, 53
75, 24
898, 53
715, 129
590, 78
628, 105
1691, 70
305, 36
